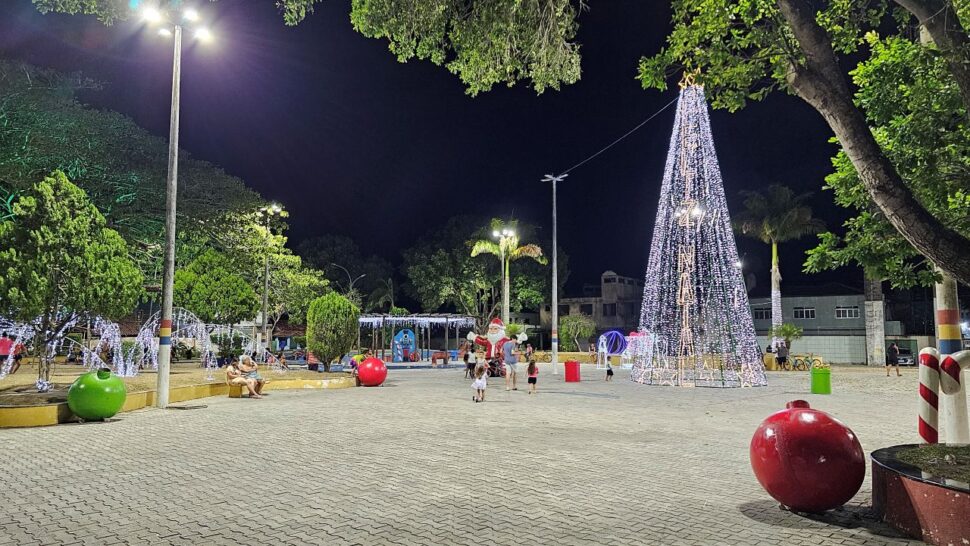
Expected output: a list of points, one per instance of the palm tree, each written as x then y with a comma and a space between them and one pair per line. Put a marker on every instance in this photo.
383, 294
774, 216
507, 250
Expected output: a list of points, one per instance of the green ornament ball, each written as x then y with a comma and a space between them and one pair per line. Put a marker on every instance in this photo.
96, 396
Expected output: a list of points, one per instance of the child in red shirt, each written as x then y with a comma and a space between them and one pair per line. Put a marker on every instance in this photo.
533, 372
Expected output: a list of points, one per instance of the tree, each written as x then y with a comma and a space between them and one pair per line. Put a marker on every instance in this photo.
572, 328
507, 250
332, 325
60, 262
292, 288
918, 117
441, 272
484, 42
746, 50
120, 166
209, 288
775, 216
382, 295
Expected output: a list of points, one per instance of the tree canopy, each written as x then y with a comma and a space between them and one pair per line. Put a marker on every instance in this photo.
59, 261
331, 327
209, 288
917, 115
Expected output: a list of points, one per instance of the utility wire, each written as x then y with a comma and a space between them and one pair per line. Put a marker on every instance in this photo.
617, 141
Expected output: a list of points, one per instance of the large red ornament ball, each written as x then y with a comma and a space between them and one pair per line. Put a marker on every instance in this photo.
372, 372
806, 459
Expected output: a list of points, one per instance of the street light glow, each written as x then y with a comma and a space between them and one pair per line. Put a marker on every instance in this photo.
190, 15
151, 14
203, 34
164, 32
496, 233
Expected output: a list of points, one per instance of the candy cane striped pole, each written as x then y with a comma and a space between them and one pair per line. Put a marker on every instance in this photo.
955, 425
929, 389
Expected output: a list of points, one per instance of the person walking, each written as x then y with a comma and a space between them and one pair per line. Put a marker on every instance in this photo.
533, 372
510, 357
892, 359
609, 370
480, 382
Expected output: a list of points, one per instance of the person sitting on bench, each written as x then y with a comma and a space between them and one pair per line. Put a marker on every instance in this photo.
250, 371
235, 377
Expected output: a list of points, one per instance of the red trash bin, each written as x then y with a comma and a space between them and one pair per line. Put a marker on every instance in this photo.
572, 371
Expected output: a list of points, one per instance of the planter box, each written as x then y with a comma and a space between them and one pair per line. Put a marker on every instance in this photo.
925, 507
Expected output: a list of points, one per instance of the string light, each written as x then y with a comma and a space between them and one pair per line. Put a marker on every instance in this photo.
695, 324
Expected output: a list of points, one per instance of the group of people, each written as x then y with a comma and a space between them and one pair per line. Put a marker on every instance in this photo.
478, 367
8, 349
245, 372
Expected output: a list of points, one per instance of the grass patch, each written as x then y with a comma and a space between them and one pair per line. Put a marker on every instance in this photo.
952, 462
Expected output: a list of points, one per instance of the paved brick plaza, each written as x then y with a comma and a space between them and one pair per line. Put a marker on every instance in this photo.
416, 462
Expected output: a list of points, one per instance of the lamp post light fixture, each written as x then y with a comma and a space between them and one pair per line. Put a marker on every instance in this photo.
172, 23
268, 212
555, 271
351, 280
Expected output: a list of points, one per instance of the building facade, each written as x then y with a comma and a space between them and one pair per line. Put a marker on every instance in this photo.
834, 327
614, 305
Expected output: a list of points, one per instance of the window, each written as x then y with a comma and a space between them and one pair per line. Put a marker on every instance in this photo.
761, 314
586, 308
609, 280
804, 312
846, 312
609, 309
563, 309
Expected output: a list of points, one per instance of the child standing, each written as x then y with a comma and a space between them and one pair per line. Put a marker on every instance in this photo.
609, 370
533, 372
480, 382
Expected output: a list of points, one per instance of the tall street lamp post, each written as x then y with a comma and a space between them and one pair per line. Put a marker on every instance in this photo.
268, 212
171, 25
555, 272
504, 237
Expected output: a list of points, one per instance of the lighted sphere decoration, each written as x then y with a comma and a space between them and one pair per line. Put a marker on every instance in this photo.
806, 459
615, 342
372, 372
96, 396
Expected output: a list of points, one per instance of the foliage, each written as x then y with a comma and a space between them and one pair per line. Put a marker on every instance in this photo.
331, 327
483, 42
59, 261
910, 99
573, 328
508, 250
120, 165
788, 332
776, 215
209, 288
232, 346
513, 329
442, 273
291, 289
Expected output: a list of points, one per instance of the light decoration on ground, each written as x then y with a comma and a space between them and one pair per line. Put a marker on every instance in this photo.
695, 324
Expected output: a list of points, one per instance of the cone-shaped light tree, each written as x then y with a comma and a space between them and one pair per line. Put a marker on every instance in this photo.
695, 324
774, 216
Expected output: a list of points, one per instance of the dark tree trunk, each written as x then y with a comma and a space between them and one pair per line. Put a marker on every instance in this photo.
940, 20
819, 81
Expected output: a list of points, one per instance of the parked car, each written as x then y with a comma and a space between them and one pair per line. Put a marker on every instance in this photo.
906, 357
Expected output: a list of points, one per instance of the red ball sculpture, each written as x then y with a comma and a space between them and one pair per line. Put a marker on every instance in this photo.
372, 372
806, 459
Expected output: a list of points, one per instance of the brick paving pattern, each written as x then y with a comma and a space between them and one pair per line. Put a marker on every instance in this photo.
417, 462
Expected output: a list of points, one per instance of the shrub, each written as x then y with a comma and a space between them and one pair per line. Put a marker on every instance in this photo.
331, 327
572, 328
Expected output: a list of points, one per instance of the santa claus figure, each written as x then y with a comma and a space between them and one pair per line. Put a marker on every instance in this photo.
494, 339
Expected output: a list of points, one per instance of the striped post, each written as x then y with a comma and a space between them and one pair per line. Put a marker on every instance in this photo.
955, 424
947, 317
929, 388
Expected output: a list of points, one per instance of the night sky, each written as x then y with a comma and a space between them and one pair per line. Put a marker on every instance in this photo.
328, 123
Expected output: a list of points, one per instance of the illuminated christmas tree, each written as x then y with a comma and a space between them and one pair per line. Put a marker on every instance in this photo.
695, 324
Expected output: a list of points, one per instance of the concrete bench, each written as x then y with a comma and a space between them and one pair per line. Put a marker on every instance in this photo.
238, 391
